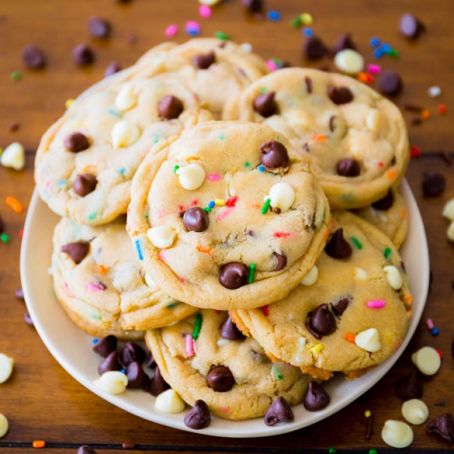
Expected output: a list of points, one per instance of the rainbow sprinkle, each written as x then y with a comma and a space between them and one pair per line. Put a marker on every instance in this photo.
276, 373
376, 304
139, 251
189, 343
387, 252
358, 245
251, 274
197, 326
265, 206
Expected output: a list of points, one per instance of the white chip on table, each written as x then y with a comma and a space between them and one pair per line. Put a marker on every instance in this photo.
397, 434
427, 360
13, 156
349, 61
6, 367
4, 425
415, 411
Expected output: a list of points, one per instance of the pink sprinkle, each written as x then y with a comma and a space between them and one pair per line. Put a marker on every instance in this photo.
205, 11
192, 26
271, 65
189, 341
224, 213
96, 287
282, 234
429, 323
376, 304
171, 30
265, 310
225, 410
195, 203
440, 353
214, 176
373, 69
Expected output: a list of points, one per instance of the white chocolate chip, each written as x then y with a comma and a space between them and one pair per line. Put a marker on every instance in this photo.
448, 210
368, 340
124, 133
13, 156
126, 98
191, 176
415, 411
209, 2
4, 425
162, 236
393, 277
169, 402
150, 282
6, 367
397, 434
282, 196
427, 360
311, 277
349, 61
112, 382
246, 47
450, 232
222, 342
360, 274
373, 120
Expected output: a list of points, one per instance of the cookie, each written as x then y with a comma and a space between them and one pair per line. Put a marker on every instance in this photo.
350, 313
98, 281
227, 215
356, 137
201, 359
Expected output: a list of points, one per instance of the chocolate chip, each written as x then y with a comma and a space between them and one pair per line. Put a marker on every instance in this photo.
113, 68
137, 378
337, 247
281, 261
278, 411
433, 184
19, 293
314, 48
340, 95
204, 61
77, 250
220, 379
33, 57
385, 203
76, 141
344, 42
170, 107
28, 319
316, 398
321, 322
132, 352
233, 275
230, 331
106, 345
348, 167
84, 449
274, 155
99, 27
410, 26
196, 219
253, 6
149, 360
308, 83
340, 306
390, 83
13, 127
83, 55
443, 426
84, 184
409, 386
265, 104
157, 383
110, 363
199, 416
332, 124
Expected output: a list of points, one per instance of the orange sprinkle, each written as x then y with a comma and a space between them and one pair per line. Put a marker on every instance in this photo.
39, 444
14, 204
425, 114
319, 138
391, 174
408, 299
204, 249
442, 109
350, 337
365, 78
102, 269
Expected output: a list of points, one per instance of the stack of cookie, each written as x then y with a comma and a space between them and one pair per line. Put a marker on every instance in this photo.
197, 196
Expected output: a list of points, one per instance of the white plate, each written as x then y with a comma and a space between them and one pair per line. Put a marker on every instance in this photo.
66, 342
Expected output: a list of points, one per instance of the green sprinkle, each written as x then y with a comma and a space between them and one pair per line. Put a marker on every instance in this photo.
387, 252
358, 245
197, 326
297, 22
251, 274
393, 53
222, 36
96, 316
207, 209
373, 451
4, 238
155, 138
263, 90
265, 206
16, 75
247, 164
332, 451
172, 305
276, 373
175, 168
92, 216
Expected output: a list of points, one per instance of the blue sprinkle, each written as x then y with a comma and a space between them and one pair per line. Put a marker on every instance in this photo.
378, 53
385, 47
121, 170
139, 249
435, 331
123, 371
211, 204
261, 168
274, 16
114, 112
375, 42
308, 32
62, 182
193, 31
95, 340
92, 216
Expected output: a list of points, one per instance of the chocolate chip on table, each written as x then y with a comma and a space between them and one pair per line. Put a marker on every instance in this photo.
83, 55
76, 141
199, 416
196, 219
99, 27
340, 95
233, 275
106, 345
344, 42
316, 398
433, 184
33, 57
278, 411
409, 386
384, 203
204, 61
170, 107
132, 352
253, 6
13, 127
220, 379
230, 331
274, 155
321, 322
265, 104
443, 426
390, 83
410, 26
137, 378
77, 250
348, 167
19, 293
113, 68
84, 184
84, 449
281, 261
314, 48
337, 247
340, 306
157, 383
109, 363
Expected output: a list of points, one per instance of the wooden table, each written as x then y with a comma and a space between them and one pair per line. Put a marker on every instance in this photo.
41, 400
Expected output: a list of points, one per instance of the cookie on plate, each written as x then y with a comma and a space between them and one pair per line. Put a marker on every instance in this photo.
206, 358
350, 313
356, 137
98, 281
227, 215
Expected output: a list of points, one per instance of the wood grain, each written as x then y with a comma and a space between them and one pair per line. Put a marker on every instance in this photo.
41, 400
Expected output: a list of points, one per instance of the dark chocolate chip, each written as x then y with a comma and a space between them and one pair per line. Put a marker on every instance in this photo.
106, 345
199, 416
390, 83
19, 293
28, 319
84, 449
77, 250
433, 184
340, 306
274, 155
410, 26
308, 83
348, 167
204, 61
316, 398
314, 48
337, 247
196, 219
220, 379
76, 141
99, 27
278, 411
137, 378
230, 331
113, 68
332, 123
233, 275
132, 352
442, 426
157, 383
84, 184
33, 57
321, 322
340, 95
83, 55
409, 386
253, 6
265, 104
281, 261
110, 363
13, 127
170, 107
344, 42
385, 203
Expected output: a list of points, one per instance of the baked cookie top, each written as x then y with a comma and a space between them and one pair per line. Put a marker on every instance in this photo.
356, 137
350, 313
228, 215
204, 357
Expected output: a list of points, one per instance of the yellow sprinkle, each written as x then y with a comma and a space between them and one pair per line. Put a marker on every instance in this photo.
306, 19
219, 202
367, 413
316, 349
69, 102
